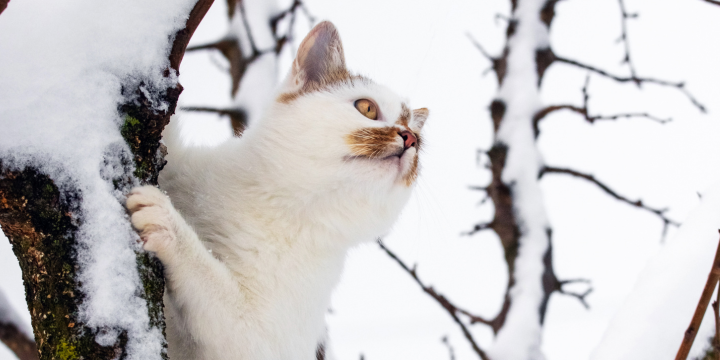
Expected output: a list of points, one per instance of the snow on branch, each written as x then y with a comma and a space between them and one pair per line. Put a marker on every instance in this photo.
637, 203
444, 302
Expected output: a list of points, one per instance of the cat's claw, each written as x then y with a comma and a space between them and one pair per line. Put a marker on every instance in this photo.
152, 215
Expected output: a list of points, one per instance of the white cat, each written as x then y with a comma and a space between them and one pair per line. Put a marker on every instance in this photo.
257, 232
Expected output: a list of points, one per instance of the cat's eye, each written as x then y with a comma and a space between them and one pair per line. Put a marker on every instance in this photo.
367, 108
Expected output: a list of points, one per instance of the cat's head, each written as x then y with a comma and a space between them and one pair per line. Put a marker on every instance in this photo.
348, 127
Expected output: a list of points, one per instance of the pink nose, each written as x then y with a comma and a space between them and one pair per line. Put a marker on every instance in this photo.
409, 138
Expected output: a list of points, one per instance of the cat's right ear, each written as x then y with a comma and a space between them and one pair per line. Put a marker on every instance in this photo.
320, 60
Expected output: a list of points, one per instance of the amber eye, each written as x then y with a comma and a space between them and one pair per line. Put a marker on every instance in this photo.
367, 108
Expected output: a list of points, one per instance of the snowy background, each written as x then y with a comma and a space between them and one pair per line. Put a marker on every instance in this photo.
419, 49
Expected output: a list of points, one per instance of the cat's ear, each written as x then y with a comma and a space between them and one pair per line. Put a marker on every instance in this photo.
320, 60
419, 117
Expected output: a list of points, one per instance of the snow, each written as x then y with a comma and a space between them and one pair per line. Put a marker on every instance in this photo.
651, 322
521, 335
61, 88
9, 316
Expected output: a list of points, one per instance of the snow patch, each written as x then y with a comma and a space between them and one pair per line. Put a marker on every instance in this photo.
652, 321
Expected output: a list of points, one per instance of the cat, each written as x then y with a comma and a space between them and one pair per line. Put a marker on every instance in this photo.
253, 233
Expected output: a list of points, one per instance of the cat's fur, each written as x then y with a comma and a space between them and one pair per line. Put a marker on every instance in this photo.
256, 235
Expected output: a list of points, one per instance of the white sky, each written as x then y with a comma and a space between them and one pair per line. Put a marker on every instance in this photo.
419, 49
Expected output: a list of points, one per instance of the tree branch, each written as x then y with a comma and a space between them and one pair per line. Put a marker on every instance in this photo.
3, 5
637, 203
479, 227
637, 80
238, 117
12, 336
624, 38
702, 305
23, 347
585, 112
710, 1
449, 347
580, 296
182, 38
449, 307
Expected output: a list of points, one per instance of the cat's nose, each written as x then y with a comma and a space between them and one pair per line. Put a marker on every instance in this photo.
409, 138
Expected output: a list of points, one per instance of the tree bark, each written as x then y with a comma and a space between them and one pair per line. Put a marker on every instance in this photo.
41, 221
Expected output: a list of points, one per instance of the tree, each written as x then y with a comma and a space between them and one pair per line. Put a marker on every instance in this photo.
517, 166
46, 205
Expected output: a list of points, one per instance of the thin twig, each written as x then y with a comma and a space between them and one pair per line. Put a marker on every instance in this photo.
449, 307
479, 227
480, 48
241, 7
580, 296
624, 38
449, 346
702, 305
637, 203
713, 2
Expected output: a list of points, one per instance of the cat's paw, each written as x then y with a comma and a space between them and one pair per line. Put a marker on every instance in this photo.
153, 216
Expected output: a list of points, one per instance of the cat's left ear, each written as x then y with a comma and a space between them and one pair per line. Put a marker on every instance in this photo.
419, 116
320, 60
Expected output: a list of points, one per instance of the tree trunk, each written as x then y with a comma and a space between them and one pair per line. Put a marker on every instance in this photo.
520, 220
42, 221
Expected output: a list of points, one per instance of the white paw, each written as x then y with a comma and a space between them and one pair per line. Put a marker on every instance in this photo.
153, 216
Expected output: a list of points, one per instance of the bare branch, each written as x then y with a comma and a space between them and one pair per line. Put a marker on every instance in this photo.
624, 38
710, 1
580, 296
183, 36
479, 227
3, 5
449, 307
637, 203
16, 340
637, 80
238, 117
480, 48
450, 348
586, 113
702, 305
246, 24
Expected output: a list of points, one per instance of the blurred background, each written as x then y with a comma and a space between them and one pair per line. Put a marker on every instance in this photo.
421, 50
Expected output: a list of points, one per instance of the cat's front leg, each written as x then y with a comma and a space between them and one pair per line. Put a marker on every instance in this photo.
156, 220
204, 297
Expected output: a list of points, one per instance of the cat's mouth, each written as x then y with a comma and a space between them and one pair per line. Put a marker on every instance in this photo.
391, 154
